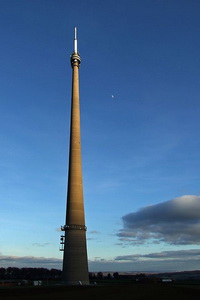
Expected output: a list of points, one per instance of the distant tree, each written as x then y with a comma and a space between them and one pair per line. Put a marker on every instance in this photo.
2, 273
29, 273
55, 274
92, 275
116, 275
12, 273
99, 275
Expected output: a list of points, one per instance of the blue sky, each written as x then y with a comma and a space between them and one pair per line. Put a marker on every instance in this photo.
139, 92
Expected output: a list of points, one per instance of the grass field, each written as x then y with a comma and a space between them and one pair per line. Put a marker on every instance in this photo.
108, 292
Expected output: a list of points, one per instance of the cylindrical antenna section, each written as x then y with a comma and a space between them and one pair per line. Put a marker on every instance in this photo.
75, 40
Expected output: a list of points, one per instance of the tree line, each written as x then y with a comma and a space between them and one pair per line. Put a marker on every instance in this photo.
29, 273
11, 273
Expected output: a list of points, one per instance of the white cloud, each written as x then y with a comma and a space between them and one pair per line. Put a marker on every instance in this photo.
176, 222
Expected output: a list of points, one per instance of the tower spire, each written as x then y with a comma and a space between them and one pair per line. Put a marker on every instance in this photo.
75, 263
75, 57
75, 40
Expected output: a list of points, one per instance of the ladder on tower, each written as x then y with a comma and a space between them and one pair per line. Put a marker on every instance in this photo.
62, 242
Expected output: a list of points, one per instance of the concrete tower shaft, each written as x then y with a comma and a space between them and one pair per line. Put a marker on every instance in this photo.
75, 205
75, 263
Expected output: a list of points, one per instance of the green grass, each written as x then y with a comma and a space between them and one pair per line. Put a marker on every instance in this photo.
108, 292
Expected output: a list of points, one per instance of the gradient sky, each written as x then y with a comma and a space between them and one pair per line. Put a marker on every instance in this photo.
140, 107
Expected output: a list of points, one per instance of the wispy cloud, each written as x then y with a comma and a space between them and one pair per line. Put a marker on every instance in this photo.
176, 222
93, 235
192, 254
29, 261
166, 261
94, 232
40, 244
180, 260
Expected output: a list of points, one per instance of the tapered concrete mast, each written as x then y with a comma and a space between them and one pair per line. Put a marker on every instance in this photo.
75, 263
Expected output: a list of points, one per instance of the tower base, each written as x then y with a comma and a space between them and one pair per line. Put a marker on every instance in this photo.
75, 265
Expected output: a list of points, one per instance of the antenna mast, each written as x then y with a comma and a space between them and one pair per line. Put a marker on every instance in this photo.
75, 57
75, 40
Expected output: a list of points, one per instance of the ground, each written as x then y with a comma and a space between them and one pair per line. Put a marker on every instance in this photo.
107, 292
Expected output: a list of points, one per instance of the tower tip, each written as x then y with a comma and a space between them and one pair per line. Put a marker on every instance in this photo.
75, 33
75, 40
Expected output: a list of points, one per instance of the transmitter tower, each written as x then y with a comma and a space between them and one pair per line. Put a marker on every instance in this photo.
75, 262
